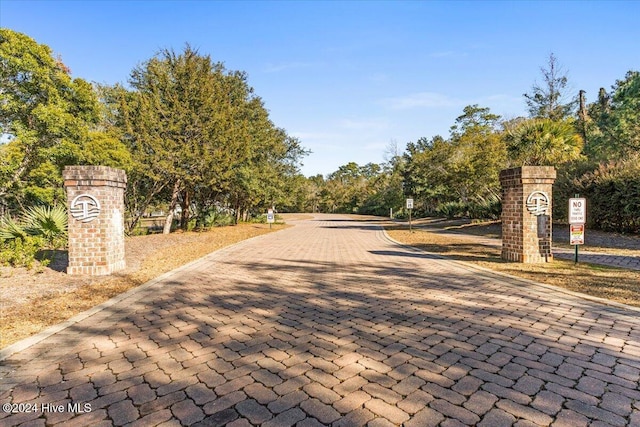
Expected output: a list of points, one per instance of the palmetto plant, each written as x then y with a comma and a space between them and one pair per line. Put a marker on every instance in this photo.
10, 229
23, 241
542, 142
48, 222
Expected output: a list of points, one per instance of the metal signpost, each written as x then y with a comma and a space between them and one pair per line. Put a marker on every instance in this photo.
410, 206
577, 220
270, 217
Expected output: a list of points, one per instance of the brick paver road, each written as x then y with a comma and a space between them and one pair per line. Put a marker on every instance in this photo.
331, 323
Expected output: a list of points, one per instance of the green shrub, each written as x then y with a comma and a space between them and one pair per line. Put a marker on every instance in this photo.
48, 222
486, 209
39, 228
613, 195
21, 252
451, 210
11, 229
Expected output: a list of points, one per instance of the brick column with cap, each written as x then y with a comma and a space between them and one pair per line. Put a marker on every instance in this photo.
526, 213
95, 199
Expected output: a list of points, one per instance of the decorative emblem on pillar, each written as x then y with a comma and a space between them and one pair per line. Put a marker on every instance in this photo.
85, 208
538, 203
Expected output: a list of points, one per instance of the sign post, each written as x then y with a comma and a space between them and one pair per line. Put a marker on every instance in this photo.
410, 206
270, 217
577, 220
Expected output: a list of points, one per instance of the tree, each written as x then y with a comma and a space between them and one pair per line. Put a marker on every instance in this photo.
479, 156
625, 111
542, 141
462, 169
549, 99
200, 138
180, 124
50, 120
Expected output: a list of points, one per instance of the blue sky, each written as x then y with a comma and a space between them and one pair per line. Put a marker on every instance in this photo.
350, 78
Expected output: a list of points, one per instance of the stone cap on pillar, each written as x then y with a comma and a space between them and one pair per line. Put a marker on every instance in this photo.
95, 176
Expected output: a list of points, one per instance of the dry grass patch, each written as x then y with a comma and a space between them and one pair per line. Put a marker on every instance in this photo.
604, 282
26, 312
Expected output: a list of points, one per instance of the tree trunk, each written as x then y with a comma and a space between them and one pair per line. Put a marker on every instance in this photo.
172, 206
142, 207
184, 217
582, 115
238, 214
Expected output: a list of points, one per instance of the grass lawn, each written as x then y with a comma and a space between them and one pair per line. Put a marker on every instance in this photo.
616, 284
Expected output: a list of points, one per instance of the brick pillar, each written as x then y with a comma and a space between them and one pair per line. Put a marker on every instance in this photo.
95, 199
526, 213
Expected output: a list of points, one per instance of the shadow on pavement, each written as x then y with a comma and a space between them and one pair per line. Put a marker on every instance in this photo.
231, 339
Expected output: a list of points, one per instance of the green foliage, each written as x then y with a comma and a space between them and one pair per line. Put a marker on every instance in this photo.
21, 252
542, 142
613, 121
40, 227
213, 217
11, 229
193, 134
51, 121
451, 210
198, 136
487, 209
463, 168
612, 191
48, 222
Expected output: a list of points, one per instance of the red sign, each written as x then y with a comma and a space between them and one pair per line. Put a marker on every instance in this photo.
576, 234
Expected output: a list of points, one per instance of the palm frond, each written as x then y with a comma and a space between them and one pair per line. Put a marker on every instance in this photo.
49, 222
10, 229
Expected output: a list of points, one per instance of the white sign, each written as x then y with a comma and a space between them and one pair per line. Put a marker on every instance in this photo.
270, 217
577, 211
538, 203
576, 236
85, 208
409, 203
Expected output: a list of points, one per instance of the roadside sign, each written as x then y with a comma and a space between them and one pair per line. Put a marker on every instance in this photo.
270, 216
409, 203
577, 211
576, 234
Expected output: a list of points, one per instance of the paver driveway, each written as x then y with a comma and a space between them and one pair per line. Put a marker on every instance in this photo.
330, 322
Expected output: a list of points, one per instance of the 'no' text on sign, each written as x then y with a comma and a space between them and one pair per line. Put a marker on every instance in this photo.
577, 211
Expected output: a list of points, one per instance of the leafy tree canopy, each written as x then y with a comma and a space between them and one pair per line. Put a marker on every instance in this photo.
48, 118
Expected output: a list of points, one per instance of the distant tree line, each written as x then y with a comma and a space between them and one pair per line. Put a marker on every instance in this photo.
594, 146
192, 136
197, 142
